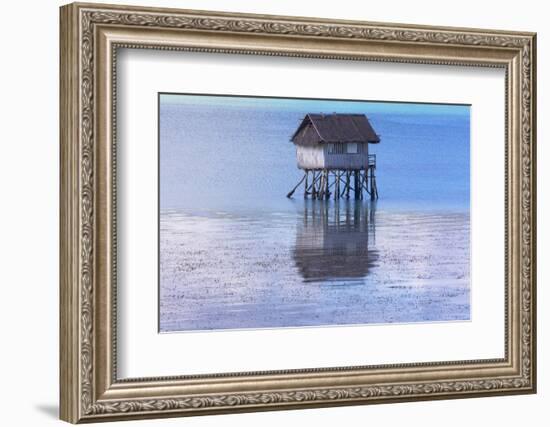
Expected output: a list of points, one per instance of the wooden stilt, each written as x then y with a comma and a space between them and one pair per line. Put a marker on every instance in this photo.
291, 192
356, 188
327, 192
361, 176
317, 183
373, 189
321, 191
343, 181
365, 182
320, 184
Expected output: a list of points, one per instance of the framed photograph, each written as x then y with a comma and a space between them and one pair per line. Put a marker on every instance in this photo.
267, 212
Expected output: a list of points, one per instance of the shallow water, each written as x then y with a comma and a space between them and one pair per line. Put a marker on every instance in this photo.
236, 253
323, 264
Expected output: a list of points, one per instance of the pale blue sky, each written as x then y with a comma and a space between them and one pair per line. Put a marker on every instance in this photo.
313, 105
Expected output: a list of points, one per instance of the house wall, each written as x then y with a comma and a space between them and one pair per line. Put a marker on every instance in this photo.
319, 157
310, 156
347, 161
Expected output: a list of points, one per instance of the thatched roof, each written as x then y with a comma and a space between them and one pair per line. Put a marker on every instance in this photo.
334, 128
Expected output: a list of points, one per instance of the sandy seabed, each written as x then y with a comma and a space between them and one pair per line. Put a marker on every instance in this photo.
323, 265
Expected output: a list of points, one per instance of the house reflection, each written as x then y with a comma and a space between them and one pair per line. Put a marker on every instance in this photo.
332, 240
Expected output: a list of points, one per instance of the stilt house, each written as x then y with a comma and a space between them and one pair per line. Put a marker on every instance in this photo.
333, 151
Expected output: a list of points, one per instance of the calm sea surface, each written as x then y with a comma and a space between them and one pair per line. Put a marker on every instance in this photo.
236, 253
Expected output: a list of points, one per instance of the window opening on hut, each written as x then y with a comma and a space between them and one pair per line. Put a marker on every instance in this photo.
352, 148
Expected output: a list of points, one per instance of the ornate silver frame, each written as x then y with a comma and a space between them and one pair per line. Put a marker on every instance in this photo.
90, 36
